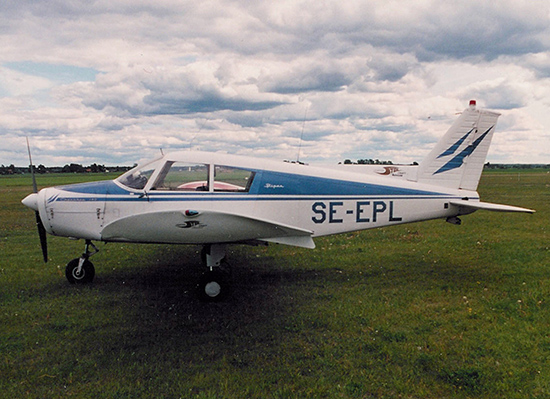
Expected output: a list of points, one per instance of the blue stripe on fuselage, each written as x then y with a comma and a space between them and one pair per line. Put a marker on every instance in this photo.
275, 183
223, 198
217, 198
105, 187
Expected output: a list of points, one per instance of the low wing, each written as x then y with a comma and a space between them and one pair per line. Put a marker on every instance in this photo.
471, 206
202, 227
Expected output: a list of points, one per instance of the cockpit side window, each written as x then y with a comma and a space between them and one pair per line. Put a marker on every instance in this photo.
231, 179
138, 177
181, 176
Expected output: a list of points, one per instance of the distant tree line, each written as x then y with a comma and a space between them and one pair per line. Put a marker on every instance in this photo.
370, 162
489, 165
367, 162
95, 168
69, 168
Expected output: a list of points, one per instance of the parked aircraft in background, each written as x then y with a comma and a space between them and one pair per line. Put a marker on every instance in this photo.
217, 199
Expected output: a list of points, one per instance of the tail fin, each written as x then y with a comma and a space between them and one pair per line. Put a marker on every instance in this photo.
457, 159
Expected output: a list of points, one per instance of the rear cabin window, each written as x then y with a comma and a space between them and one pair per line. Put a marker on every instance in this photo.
230, 179
181, 176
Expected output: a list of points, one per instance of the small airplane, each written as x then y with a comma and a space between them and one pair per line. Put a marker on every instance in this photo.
217, 199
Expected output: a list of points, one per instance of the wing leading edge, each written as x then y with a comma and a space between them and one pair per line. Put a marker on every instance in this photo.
202, 227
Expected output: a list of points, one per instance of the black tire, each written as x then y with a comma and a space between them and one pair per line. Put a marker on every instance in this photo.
86, 275
213, 286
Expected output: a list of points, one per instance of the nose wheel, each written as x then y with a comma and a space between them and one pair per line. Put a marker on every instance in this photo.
81, 270
77, 273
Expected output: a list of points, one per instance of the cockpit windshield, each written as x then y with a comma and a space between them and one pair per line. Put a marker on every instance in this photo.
138, 177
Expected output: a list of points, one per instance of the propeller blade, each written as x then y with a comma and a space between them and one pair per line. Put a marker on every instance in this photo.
39, 224
42, 235
31, 167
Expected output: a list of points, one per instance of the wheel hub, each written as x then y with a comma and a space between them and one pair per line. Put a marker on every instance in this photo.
212, 289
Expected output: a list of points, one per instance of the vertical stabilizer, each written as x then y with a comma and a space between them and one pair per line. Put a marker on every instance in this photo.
458, 158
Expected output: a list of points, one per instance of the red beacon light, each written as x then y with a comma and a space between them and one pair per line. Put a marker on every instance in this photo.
472, 104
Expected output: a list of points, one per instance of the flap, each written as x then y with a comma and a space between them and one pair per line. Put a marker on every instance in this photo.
296, 241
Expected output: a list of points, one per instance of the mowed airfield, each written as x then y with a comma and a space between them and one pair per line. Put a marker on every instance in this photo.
426, 310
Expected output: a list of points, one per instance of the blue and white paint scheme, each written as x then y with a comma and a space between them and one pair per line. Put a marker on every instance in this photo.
216, 199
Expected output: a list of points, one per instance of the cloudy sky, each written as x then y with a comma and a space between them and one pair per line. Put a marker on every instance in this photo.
113, 81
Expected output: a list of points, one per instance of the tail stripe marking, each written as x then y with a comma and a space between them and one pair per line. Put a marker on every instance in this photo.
454, 147
458, 160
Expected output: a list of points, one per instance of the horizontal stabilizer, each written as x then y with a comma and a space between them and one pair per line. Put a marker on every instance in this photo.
488, 206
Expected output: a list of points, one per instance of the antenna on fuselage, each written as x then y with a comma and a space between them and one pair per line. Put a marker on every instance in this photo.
196, 134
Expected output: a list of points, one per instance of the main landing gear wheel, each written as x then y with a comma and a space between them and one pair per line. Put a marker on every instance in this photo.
80, 275
213, 286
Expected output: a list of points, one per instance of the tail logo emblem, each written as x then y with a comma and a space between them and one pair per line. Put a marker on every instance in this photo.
390, 170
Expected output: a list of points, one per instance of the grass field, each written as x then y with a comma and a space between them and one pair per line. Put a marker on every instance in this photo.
427, 310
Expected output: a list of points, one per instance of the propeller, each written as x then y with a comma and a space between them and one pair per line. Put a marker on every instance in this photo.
32, 202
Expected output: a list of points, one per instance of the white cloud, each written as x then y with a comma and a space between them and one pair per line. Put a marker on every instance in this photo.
373, 79
15, 83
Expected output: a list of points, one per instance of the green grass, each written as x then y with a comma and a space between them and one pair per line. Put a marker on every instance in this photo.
428, 310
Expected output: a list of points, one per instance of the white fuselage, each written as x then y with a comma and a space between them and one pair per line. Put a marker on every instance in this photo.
281, 198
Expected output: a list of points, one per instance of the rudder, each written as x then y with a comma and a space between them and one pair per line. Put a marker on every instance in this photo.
458, 158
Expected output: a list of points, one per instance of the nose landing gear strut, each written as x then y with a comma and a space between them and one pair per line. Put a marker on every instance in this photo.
81, 270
